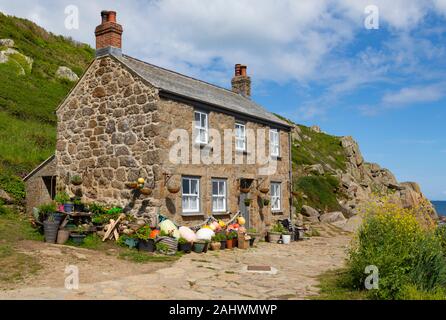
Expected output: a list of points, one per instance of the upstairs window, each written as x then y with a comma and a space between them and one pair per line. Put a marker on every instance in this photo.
276, 196
274, 144
201, 127
219, 196
191, 195
240, 137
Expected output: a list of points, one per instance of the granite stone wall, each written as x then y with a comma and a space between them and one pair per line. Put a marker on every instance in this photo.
114, 128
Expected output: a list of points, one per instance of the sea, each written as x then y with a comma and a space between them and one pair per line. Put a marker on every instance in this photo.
440, 206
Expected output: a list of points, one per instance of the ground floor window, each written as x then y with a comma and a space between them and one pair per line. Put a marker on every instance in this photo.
219, 195
276, 196
191, 195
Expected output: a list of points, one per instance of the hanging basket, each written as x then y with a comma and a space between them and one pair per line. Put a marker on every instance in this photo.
264, 189
174, 185
131, 185
173, 189
146, 191
245, 190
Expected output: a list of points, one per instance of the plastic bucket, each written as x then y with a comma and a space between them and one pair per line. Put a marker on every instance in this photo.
286, 238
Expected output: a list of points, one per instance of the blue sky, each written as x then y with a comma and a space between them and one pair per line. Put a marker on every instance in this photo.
312, 61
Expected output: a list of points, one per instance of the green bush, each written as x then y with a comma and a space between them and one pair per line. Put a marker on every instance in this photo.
320, 191
407, 254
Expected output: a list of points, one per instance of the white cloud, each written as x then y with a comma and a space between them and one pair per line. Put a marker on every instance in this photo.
284, 41
413, 95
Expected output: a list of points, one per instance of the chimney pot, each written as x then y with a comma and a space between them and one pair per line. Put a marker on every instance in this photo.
241, 83
108, 35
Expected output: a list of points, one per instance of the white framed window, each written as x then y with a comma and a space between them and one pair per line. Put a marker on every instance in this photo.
191, 195
240, 137
274, 143
201, 127
276, 196
219, 195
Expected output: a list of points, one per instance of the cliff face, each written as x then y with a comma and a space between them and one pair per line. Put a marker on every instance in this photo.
351, 180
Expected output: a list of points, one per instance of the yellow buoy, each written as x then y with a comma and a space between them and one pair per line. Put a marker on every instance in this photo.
141, 180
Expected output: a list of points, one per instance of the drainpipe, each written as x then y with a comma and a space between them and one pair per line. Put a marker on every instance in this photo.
291, 176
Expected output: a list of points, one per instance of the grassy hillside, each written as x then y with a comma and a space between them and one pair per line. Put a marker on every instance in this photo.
27, 102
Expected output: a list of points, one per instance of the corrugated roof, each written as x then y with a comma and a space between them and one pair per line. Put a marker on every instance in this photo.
185, 86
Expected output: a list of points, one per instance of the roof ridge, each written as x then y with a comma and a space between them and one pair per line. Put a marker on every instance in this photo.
189, 77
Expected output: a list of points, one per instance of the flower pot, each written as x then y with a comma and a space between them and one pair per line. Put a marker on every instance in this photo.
171, 243
223, 245
185, 247
273, 237
78, 239
252, 241
63, 236
58, 217
79, 207
199, 247
235, 243
286, 238
60, 208
215, 246
131, 243
146, 245
50, 229
229, 244
68, 207
206, 247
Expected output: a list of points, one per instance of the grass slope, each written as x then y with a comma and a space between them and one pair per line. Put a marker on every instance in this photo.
28, 102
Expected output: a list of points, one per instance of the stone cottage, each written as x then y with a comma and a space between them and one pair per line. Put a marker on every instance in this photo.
127, 119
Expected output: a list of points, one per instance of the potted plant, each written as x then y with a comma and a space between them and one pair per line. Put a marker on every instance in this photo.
78, 205
78, 235
64, 199
230, 239
266, 202
145, 243
216, 242
163, 248
252, 232
222, 237
169, 241
199, 246
184, 245
50, 228
248, 202
76, 180
276, 232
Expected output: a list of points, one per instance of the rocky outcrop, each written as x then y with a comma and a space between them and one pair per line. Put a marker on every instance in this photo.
22, 62
66, 73
5, 198
360, 182
9, 43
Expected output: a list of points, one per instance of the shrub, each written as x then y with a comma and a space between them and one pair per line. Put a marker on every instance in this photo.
406, 252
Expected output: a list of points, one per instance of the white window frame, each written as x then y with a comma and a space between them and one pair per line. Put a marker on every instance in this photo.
274, 142
220, 195
199, 128
276, 194
239, 138
190, 195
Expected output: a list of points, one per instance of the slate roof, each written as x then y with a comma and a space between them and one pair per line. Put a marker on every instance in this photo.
179, 84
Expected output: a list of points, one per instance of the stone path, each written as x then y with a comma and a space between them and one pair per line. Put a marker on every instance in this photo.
218, 275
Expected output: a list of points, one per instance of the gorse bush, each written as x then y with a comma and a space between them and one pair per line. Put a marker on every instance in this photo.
407, 251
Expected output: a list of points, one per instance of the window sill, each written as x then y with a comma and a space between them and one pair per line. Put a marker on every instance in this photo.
192, 214
220, 213
244, 152
277, 158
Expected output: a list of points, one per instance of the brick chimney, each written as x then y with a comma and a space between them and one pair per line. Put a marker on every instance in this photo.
241, 83
108, 35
